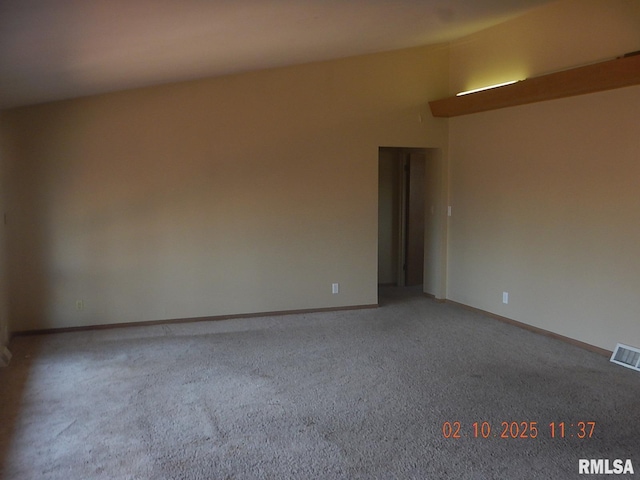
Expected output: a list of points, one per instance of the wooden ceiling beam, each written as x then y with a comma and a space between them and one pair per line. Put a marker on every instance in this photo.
618, 73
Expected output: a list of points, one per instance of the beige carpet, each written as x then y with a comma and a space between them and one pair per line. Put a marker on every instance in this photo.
350, 395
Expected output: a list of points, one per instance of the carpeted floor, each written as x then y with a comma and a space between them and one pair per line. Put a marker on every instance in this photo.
360, 394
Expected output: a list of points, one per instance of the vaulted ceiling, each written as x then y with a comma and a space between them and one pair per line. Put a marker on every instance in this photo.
56, 49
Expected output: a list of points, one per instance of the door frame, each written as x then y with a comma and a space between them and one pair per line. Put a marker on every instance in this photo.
436, 221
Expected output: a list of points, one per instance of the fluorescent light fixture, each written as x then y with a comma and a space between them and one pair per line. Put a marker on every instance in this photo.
475, 90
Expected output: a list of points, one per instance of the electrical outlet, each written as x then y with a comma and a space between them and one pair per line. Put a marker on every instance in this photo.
79, 305
505, 297
335, 288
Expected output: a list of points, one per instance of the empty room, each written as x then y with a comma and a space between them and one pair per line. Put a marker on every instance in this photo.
319, 239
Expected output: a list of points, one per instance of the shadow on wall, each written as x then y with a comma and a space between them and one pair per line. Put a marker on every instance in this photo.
27, 195
26, 239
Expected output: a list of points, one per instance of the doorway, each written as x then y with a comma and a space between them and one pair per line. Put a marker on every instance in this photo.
410, 219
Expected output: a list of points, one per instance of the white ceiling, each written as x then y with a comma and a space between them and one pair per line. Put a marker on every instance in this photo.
56, 49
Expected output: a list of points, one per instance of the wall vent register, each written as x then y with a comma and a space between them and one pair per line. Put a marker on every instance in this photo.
626, 356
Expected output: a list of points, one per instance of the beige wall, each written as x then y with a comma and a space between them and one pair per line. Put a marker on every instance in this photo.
241, 194
435, 242
545, 196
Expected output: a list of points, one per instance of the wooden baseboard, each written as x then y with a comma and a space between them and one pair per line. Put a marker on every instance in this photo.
541, 331
105, 326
